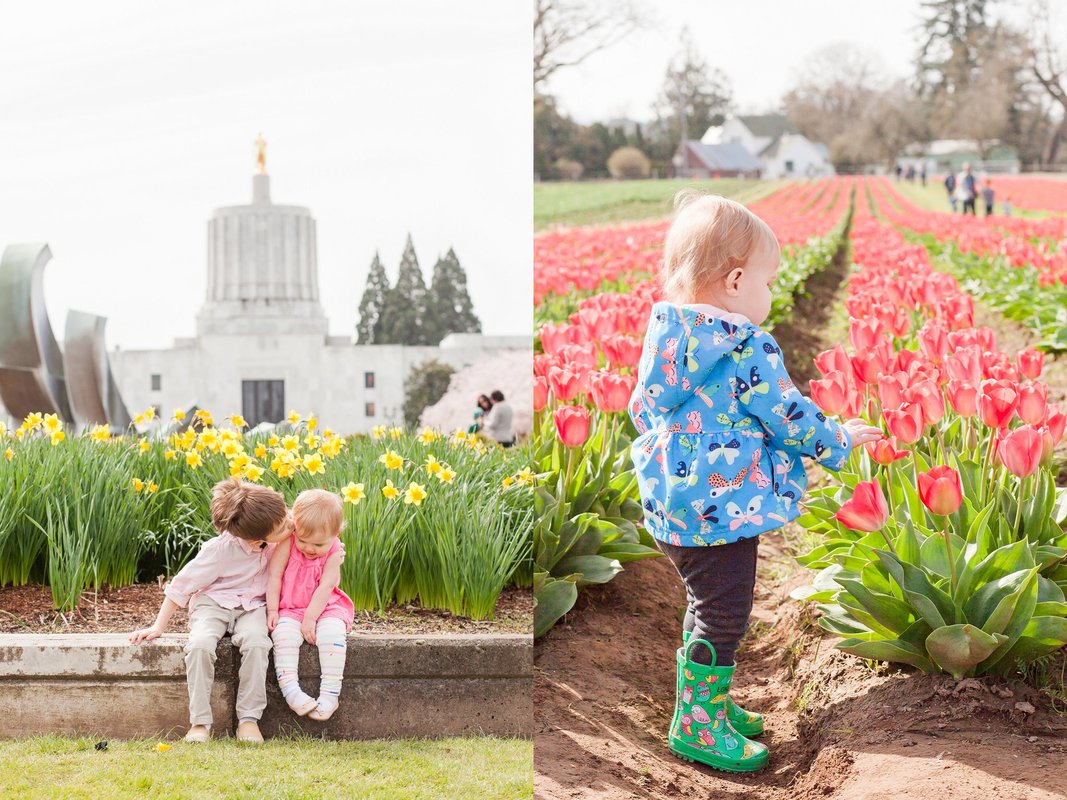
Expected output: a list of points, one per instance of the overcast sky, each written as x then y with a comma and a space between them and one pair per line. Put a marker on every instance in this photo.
123, 125
759, 44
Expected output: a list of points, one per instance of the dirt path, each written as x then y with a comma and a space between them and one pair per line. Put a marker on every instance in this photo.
838, 727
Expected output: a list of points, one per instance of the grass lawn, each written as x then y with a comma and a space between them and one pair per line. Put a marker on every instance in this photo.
934, 197
62, 768
602, 202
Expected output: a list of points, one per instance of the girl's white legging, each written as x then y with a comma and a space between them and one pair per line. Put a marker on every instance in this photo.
330, 639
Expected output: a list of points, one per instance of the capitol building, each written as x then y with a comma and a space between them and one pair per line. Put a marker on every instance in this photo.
262, 344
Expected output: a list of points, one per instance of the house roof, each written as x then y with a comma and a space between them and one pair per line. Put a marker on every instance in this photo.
728, 157
773, 125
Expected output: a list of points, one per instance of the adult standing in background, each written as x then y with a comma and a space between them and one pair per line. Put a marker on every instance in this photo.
497, 422
950, 187
988, 195
966, 189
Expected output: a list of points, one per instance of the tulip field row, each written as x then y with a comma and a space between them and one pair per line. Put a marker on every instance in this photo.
942, 545
1045, 194
595, 288
1014, 265
444, 519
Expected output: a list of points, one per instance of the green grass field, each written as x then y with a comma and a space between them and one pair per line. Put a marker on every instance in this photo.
61, 768
602, 202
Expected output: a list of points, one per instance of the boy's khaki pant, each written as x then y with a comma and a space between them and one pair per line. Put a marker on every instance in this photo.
209, 622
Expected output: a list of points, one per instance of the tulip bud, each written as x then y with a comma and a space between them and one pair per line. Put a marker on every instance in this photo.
540, 393
940, 490
866, 510
884, 451
572, 425
1020, 451
996, 402
1031, 362
964, 397
906, 422
1033, 401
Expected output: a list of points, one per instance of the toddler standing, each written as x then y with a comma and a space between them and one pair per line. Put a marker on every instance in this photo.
225, 588
721, 431
305, 602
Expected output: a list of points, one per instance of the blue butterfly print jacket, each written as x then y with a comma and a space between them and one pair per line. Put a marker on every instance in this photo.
721, 430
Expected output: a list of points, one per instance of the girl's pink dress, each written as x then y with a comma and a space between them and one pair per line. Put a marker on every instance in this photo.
301, 579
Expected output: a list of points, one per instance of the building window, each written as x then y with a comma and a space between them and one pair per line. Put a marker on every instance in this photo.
368, 409
368, 380
262, 401
157, 383
789, 167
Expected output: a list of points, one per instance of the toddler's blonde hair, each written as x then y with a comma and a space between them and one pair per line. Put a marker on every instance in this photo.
319, 511
710, 236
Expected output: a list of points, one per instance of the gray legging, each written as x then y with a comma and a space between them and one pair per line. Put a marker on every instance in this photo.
718, 585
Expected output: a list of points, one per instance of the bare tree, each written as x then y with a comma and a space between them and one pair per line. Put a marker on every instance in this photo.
694, 96
567, 32
1047, 62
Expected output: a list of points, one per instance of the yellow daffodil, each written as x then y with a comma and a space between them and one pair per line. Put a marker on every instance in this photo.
188, 438
32, 421
294, 418
58, 437
392, 460
9, 454
51, 423
144, 447
100, 433
150, 414
312, 441
312, 422
209, 437
238, 421
3, 429
231, 449
273, 441
390, 491
328, 433
415, 494
253, 473
510, 479
396, 433
313, 464
193, 460
138, 485
240, 461
178, 415
332, 447
432, 465
353, 493
378, 432
446, 474
261, 450
19, 434
524, 476
162, 747
153, 488
291, 443
429, 436
139, 419
169, 455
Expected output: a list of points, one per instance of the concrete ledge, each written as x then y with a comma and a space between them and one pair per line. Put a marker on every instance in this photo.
394, 686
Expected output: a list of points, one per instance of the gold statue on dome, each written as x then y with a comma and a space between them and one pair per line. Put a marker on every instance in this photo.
261, 155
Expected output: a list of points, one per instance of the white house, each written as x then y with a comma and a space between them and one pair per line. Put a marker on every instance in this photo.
262, 345
771, 138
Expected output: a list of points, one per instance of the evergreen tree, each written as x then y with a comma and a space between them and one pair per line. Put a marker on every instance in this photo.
403, 319
368, 330
425, 385
450, 308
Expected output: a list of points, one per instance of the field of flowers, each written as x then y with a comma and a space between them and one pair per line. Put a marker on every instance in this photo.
1046, 194
1016, 266
594, 288
943, 545
442, 519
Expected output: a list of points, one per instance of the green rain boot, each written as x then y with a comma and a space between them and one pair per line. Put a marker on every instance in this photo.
747, 723
700, 730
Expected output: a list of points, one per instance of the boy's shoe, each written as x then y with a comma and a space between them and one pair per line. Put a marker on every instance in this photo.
248, 731
747, 723
701, 730
198, 733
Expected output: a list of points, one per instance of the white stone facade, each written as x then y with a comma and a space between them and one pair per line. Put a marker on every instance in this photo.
262, 323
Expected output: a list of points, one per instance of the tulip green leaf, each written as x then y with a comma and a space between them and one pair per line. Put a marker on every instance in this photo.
555, 598
590, 569
892, 614
888, 650
957, 649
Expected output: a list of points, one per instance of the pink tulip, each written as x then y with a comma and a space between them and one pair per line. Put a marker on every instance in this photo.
611, 391
621, 350
928, 397
1033, 401
555, 337
866, 510
940, 490
1020, 451
996, 402
906, 422
831, 393
835, 359
964, 397
1031, 362
1056, 422
884, 451
891, 388
540, 393
933, 340
566, 383
572, 425
865, 333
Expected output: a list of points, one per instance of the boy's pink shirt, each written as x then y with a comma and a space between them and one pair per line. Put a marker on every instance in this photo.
229, 570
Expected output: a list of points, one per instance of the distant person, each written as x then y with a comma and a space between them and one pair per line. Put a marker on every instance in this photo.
987, 197
966, 189
497, 422
922, 174
1005, 206
909, 176
899, 170
480, 410
950, 187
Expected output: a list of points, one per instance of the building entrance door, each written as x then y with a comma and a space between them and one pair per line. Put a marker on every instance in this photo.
263, 401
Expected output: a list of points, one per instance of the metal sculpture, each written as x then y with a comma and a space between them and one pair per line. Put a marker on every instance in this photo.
94, 395
31, 364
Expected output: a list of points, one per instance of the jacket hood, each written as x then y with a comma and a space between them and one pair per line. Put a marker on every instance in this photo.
691, 343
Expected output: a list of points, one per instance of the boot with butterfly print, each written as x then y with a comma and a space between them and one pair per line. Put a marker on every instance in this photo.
747, 723
701, 731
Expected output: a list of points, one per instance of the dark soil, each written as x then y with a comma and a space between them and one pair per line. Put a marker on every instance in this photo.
28, 609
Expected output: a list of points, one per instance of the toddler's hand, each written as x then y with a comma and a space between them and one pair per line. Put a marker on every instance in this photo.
307, 629
145, 635
272, 620
861, 433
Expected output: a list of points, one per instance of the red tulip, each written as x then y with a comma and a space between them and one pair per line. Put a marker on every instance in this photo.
906, 422
566, 383
1031, 362
572, 425
884, 451
1020, 451
940, 490
833, 360
964, 397
1033, 401
611, 391
831, 393
927, 396
540, 393
866, 510
996, 402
